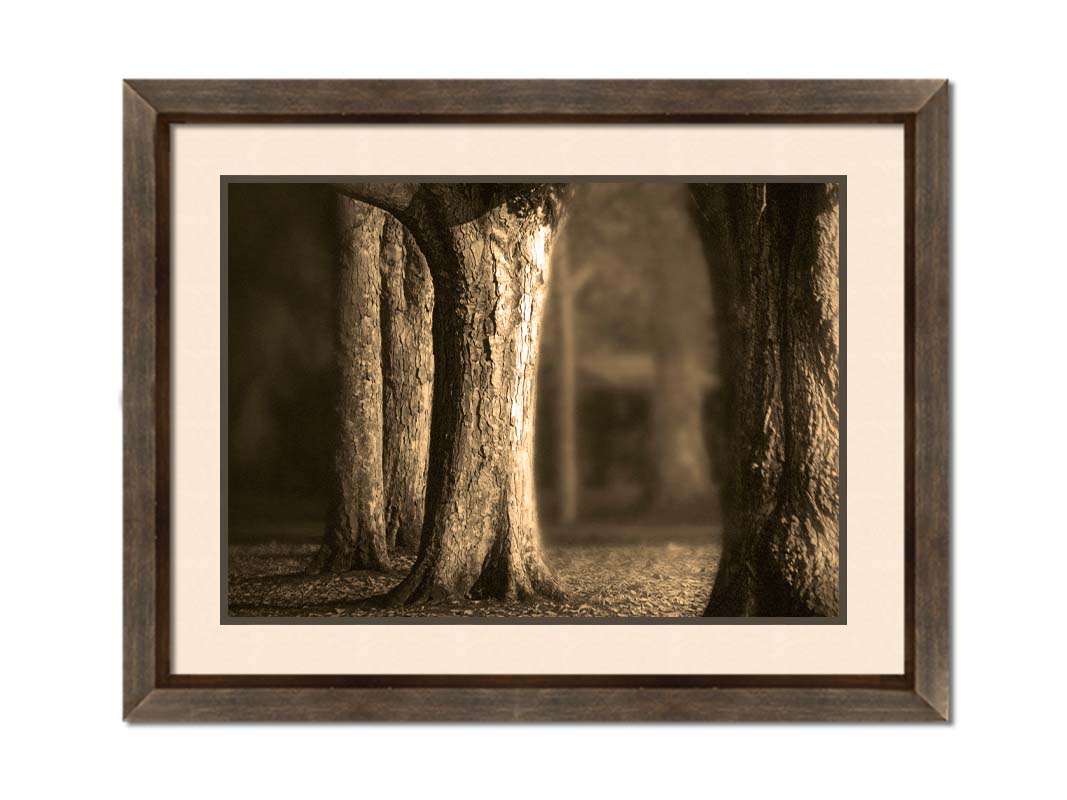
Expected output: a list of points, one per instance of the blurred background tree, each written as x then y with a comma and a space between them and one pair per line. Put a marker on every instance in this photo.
628, 399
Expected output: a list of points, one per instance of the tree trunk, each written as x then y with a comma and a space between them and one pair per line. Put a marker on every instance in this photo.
355, 522
407, 375
487, 246
773, 253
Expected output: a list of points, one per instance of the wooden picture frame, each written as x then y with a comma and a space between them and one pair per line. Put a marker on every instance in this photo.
151, 692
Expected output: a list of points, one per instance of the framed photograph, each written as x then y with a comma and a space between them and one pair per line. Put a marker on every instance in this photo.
536, 400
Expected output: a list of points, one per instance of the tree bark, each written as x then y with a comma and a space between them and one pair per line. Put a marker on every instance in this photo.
407, 375
488, 248
773, 254
355, 523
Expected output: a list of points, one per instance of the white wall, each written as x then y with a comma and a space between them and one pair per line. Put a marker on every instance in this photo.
60, 426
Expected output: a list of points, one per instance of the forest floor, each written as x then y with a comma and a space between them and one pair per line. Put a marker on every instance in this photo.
606, 571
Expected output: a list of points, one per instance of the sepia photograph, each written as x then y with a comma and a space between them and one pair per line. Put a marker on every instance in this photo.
436, 412
578, 400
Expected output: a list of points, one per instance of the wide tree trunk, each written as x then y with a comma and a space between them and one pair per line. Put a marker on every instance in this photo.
407, 376
487, 246
355, 523
773, 254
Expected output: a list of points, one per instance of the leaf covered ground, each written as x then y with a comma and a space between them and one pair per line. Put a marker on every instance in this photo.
652, 575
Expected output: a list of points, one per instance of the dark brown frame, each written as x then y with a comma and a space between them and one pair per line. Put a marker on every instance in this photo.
152, 693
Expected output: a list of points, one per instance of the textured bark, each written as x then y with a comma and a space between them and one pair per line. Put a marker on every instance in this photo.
407, 382
355, 522
773, 254
487, 246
